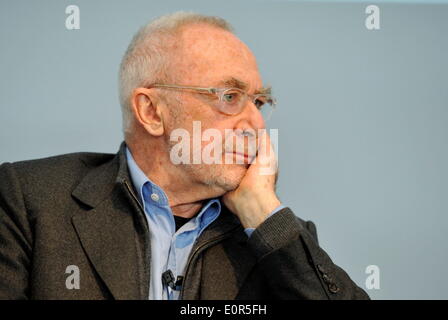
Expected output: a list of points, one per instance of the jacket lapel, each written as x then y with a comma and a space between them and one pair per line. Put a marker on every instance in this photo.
107, 229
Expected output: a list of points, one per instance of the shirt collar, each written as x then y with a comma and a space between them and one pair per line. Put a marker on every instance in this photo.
146, 188
141, 181
213, 209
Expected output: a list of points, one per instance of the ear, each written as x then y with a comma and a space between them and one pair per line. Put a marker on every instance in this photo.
147, 111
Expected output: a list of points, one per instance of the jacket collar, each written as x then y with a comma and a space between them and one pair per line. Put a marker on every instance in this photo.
103, 177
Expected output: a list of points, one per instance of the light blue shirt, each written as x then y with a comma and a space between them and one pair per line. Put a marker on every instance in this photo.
170, 249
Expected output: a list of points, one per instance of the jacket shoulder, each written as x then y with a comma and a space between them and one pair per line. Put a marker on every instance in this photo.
57, 165
50, 175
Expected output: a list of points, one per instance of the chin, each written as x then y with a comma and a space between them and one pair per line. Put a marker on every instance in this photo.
222, 178
231, 176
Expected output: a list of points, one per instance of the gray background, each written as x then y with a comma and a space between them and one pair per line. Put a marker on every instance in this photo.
362, 114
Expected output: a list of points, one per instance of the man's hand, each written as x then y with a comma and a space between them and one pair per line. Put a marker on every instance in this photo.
255, 197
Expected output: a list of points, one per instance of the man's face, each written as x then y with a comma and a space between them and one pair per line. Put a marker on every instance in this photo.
210, 57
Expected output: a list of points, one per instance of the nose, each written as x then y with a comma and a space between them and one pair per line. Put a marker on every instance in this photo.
253, 116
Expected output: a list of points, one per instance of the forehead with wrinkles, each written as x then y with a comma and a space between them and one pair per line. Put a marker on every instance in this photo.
206, 56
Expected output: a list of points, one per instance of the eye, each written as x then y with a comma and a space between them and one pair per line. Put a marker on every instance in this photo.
230, 97
260, 102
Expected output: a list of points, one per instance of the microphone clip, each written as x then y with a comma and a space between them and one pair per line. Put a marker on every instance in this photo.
169, 280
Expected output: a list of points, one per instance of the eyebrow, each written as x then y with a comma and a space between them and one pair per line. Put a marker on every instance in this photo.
236, 83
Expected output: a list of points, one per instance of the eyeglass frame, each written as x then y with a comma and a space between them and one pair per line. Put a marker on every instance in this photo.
220, 93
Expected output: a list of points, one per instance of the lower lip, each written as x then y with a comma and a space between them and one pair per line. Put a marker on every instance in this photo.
242, 157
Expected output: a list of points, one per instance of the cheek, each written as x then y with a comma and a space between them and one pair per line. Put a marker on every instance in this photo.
213, 134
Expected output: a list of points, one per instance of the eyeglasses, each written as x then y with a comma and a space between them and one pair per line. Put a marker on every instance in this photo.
231, 101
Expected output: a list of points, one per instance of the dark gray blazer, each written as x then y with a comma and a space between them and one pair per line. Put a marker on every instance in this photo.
81, 209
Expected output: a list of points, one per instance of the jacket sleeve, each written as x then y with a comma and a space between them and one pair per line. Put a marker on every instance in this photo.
294, 266
15, 237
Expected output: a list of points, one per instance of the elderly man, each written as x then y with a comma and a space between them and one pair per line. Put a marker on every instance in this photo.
138, 225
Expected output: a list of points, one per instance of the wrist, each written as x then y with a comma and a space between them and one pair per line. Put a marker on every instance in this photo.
255, 210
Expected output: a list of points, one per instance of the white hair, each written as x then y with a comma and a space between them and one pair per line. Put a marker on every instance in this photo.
147, 58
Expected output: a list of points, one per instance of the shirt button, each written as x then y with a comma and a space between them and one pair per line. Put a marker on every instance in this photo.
155, 197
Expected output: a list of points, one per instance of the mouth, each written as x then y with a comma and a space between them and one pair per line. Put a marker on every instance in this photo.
243, 157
